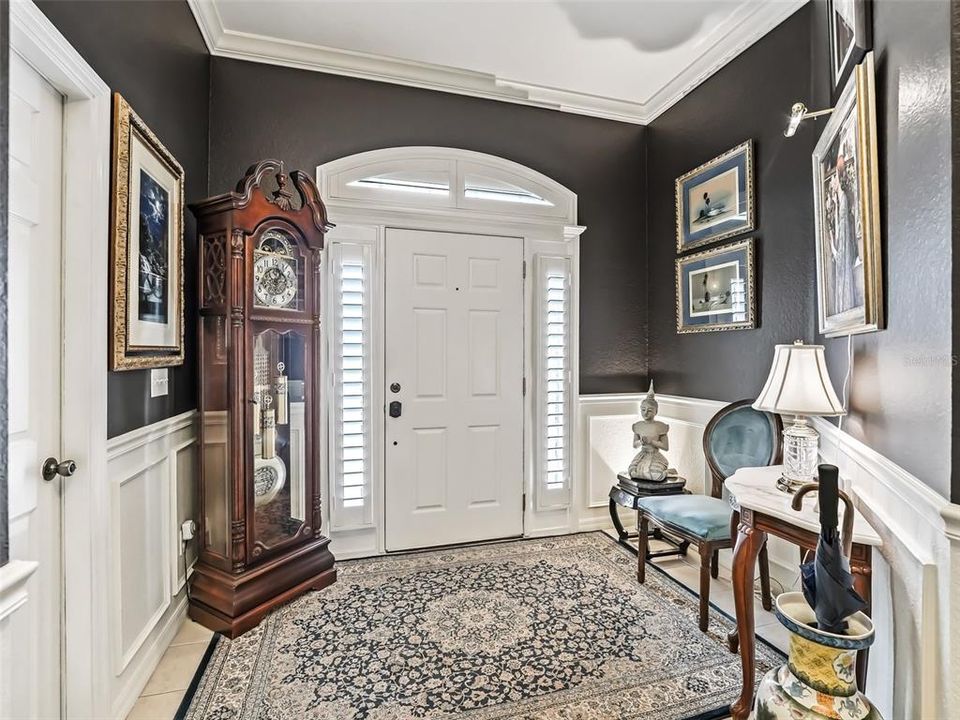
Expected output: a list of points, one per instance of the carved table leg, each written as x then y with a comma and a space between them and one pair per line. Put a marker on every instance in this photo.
622, 534
643, 541
749, 542
862, 584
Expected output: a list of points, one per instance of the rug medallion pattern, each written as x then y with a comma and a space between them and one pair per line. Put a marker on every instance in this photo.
550, 629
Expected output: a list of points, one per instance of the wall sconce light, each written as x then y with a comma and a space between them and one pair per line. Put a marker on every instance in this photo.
799, 113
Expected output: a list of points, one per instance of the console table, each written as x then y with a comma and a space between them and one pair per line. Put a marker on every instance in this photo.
764, 510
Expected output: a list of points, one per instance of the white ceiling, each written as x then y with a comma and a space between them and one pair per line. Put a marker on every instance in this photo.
626, 60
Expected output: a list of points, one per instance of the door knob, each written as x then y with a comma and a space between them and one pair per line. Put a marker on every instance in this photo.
396, 409
53, 467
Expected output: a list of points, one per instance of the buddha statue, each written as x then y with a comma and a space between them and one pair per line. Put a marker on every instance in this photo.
650, 435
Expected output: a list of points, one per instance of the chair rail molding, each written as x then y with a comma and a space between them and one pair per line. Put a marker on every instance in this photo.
13, 590
750, 22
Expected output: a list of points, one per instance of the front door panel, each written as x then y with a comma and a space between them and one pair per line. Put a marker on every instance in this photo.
454, 345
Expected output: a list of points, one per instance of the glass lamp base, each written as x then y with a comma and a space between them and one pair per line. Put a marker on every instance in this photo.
800, 446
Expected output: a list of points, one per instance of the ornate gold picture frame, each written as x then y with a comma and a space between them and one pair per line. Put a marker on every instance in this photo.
715, 200
146, 247
716, 289
846, 202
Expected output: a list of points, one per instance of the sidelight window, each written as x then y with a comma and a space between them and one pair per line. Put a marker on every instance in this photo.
553, 398
351, 462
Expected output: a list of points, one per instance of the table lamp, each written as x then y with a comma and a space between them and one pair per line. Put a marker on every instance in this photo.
799, 385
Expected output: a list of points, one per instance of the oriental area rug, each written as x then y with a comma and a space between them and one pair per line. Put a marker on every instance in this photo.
546, 629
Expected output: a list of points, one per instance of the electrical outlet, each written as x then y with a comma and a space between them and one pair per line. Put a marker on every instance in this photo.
187, 530
159, 382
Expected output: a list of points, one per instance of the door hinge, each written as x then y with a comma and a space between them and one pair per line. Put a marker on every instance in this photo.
523, 501
524, 387
524, 269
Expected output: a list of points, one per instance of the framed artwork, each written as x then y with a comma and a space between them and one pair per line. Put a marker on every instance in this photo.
846, 193
146, 247
715, 200
715, 289
848, 22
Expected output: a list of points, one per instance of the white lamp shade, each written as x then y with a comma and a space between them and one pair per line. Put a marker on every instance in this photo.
799, 383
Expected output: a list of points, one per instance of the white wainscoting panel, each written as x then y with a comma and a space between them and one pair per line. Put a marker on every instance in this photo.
153, 484
605, 447
912, 593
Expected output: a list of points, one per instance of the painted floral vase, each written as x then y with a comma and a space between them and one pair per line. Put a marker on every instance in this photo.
819, 679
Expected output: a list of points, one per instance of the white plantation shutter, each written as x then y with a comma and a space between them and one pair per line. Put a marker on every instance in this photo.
553, 397
351, 463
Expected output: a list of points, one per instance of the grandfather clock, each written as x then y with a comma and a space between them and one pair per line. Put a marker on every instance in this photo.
259, 327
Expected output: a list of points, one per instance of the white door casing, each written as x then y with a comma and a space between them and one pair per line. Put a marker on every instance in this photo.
36, 141
443, 190
85, 682
454, 345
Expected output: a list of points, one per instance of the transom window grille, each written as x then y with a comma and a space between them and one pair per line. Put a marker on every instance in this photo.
554, 397
416, 186
504, 192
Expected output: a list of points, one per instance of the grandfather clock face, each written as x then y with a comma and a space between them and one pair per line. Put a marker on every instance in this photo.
275, 271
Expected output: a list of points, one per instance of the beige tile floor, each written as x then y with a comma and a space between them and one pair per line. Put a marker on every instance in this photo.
166, 687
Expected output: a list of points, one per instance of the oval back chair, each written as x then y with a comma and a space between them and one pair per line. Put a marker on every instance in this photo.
737, 436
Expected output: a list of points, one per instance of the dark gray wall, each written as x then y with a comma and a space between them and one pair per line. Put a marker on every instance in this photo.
307, 118
900, 399
901, 389
749, 98
153, 54
4, 163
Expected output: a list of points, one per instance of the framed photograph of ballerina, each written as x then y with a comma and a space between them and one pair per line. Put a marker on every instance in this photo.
846, 193
715, 200
716, 289
146, 248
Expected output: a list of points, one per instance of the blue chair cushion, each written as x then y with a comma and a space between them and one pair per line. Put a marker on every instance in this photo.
704, 517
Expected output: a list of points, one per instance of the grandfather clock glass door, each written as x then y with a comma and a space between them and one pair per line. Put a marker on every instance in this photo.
282, 346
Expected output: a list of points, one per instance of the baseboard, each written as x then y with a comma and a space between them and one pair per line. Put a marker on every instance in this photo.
145, 662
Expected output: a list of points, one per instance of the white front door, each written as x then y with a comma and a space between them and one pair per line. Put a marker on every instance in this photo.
32, 657
454, 356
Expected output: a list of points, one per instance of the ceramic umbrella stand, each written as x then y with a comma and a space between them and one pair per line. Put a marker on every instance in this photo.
819, 678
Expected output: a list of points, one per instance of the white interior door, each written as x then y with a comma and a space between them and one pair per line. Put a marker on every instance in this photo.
32, 661
454, 346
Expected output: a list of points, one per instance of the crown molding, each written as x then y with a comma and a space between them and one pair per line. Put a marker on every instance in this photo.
749, 23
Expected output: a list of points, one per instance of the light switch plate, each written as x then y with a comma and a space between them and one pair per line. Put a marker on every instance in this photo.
159, 382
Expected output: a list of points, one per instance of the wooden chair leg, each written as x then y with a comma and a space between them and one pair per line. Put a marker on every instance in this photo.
643, 542
765, 599
706, 554
715, 564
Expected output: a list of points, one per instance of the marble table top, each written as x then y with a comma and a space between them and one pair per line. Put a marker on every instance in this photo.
756, 489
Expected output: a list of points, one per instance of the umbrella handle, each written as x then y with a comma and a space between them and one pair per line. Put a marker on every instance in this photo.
846, 536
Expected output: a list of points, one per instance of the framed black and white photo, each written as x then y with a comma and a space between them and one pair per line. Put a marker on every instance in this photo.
715, 200
849, 26
715, 289
846, 191
146, 247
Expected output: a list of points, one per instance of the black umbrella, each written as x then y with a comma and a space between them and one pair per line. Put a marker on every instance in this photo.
827, 582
